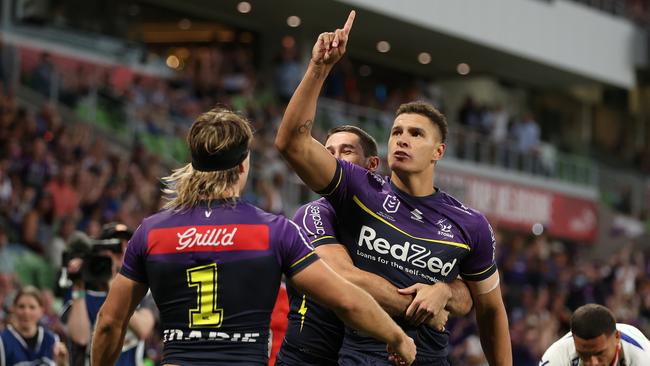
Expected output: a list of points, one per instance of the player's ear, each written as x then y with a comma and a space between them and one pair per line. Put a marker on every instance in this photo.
372, 163
439, 151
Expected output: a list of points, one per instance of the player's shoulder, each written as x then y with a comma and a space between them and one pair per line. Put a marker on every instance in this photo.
318, 210
634, 337
363, 176
560, 353
455, 209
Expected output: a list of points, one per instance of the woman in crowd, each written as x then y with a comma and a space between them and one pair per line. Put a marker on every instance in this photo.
25, 340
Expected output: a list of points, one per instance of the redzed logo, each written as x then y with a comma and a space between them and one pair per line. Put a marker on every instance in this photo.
208, 238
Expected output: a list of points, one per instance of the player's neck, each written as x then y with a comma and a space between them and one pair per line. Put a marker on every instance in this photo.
415, 184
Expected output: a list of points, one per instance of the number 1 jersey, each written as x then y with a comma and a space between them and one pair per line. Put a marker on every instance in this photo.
214, 274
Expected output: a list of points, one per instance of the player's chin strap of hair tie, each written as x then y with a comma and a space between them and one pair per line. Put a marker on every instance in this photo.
221, 160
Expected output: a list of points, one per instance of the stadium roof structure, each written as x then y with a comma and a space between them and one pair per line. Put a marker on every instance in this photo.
537, 61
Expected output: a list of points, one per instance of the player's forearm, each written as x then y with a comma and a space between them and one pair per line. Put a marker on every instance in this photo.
460, 303
107, 340
295, 129
384, 292
493, 330
78, 322
360, 311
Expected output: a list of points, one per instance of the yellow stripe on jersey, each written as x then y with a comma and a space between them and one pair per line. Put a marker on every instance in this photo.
478, 273
358, 202
339, 171
322, 237
302, 259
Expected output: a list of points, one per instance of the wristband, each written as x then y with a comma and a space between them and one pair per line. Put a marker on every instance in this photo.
78, 294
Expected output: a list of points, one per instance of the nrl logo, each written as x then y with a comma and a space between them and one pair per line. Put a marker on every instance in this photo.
391, 204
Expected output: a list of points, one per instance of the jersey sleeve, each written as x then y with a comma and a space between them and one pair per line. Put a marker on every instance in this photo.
317, 220
294, 251
480, 263
133, 266
558, 354
348, 181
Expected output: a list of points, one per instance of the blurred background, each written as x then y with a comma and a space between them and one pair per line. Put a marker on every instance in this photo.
548, 103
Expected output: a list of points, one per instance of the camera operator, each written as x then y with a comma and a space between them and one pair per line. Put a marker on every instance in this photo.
91, 270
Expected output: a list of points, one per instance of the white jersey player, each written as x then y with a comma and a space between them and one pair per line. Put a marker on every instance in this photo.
597, 340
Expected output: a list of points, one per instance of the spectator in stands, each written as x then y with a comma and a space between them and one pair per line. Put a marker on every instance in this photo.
38, 224
42, 76
25, 341
527, 134
63, 191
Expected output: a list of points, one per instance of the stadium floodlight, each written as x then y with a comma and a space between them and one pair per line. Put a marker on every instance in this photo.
244, 7
463, 68
184, 24
383, 46
424, 58
293, 21
173, 61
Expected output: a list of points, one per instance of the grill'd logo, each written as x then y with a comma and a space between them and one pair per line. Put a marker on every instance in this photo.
211, 238
413, 254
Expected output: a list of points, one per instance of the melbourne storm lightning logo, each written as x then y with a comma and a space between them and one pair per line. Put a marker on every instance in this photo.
445, 229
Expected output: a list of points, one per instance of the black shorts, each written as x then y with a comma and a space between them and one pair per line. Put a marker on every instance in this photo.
354, 358
295, 356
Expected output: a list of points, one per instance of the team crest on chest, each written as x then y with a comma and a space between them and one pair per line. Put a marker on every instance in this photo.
445, 229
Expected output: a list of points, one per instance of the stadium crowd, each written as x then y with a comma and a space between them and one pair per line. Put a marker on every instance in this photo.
58, 177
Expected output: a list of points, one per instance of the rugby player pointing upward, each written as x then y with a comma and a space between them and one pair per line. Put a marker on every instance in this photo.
314, 334
402, 228
214, 263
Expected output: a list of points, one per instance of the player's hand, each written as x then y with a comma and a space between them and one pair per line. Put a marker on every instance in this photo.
330, 46
74, 265
429, 301
403, 352
60, 354
439, 321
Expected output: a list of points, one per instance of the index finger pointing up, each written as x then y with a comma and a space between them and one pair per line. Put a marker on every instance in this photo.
348, 23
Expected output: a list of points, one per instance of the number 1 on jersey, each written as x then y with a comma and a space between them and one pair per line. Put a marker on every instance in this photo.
206, 313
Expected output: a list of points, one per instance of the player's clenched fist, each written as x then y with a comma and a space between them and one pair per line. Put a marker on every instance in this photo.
402, 352
330, 46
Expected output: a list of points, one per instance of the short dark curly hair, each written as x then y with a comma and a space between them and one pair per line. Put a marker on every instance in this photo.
427, 110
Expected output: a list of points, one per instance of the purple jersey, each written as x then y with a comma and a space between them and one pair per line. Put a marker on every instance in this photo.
408, 240
314, 333
214, 274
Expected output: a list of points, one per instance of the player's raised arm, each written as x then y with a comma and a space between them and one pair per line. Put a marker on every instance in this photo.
308, 157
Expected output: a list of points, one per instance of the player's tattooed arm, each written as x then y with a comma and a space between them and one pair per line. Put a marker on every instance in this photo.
305, 128
311, 161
